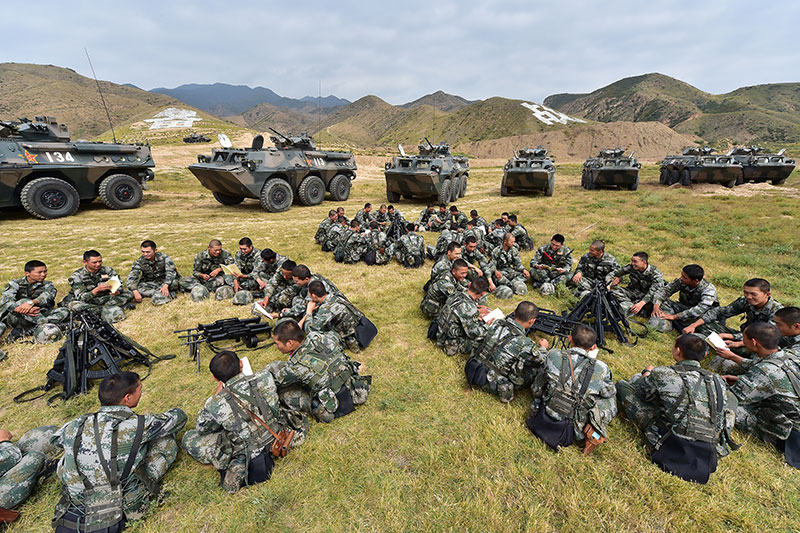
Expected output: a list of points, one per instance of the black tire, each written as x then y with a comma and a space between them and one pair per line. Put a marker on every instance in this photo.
674, 176
780, 181
48, 198
590, 185
730, 184
462, 191
392, 196
444, 192
685, 177
276, 196
340, 187
225, 199
551, 185
740, 179
312, 190
503, 188
663, 178
455, 189
635, 185
120, 191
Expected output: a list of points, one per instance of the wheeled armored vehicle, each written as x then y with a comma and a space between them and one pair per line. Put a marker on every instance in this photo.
759, 166
50, 176
611, 168
196, 138
701, 165
275, 176
434, 173
530, 170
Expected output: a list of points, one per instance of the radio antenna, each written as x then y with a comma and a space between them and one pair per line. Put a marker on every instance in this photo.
114, 135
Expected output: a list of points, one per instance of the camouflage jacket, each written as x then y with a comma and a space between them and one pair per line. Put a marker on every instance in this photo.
480, 222
439, 291
791, 344
494, 239
545, 255
205, 264
699, 299
601, 269
334, 314
523, 240
477, 258
264, 271
377, 241
302, 298
598, 406
161, 270
662, 387
17, 290
445, 239
647, 283
411, 244
459, 218
364, 218
383, 219
248, 263
83, 282
424, 217
767, 388
740, 306
477, 233
352, 245
276, 284
507, 260
10, 455
443, 265
245, 436
75, 470
459, 318
322, 230
333, 235
508, 351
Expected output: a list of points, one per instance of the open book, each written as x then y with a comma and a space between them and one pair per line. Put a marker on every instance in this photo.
258, 307
716, 341
114, 283
496, 314
247, 370
231, 270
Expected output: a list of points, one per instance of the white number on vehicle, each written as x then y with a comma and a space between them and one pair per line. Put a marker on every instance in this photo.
58, 157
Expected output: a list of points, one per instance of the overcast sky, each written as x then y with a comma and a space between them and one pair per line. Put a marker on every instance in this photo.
400, 51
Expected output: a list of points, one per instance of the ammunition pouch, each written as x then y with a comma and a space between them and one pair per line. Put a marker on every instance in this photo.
687, 459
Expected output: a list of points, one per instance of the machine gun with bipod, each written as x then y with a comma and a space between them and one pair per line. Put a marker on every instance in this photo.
245, 331
551, 323
600, 310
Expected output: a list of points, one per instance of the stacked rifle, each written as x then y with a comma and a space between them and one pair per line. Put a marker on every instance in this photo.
246, 331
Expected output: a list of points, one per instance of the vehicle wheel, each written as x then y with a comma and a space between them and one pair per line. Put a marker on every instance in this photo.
340, 187
463, 189
663, 178
730, 184
455, 188
444, 192
635, 185
590, 185
503, 188
276, 196
392, 196
121, 191
779, 181
740, 179
225, 199
674, 176
685, 177
48, 198
312, 190
551, 185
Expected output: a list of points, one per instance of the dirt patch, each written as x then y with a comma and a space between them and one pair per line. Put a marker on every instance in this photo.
748, 189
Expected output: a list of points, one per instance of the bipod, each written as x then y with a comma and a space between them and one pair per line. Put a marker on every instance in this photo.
600, 310
245, 331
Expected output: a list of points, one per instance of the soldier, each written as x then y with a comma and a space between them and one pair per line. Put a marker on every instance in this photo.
318, 378
322, 229
301, 275
334, 234
507, 359
573, 395
457, 217
509, 274
365, 216
352, 245
340, 214
280, 289
788, 322
443, 287
378, 242
769, 393
685, 412
331, 313
382, 218
22, 465
396, 216
480, 222
479, 264
423, 223
153, 275
645, 283
696, 297
460, 326
229, 434
520, 234
495, 237
476, 233
444, 264
29, 303
448, 235
270, 264
91, 290
247, 285
114, 459
595, 266
551, 265
439, 220
410, 249
207, 274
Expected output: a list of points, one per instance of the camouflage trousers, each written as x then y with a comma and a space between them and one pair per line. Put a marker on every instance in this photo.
437, 225
582, 288
323, 405
512, 279
19, 474
671, 307
251, 284
109, 306
545, 276
456, 346
386, 256
281, 300
51, 316
152, 290
627, 298
161, 454
641, 413
718, 364
187, 283
748, 419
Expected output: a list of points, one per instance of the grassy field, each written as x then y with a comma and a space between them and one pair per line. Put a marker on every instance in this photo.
425, 453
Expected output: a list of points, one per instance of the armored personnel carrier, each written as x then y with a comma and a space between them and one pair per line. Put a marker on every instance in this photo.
529, 171
701, 165
759, 166
434, 173
196, 138
275, 175
610, 168
50, 176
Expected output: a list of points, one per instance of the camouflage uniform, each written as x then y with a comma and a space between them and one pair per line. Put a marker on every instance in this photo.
769, 406
479, 235
439, 220
410, 250
459, 218
494, 239
316, 373
249, 264
480, 222
791, 344
692, 304
205, 264
545, 255
477, 258
447, 236
509, 264
593, 270
643, 286
108, 305
511, 357
148, 277
264, 271
383, 219
461, 328
20, 291
364, 218
598, 405
332, 237
352, 245
227, 438
336, 314
84, 482
424, 217
377, 241
523, 240
442, 288
442, 266
322, 230
281, 292
301, 298
649, 402
21, 465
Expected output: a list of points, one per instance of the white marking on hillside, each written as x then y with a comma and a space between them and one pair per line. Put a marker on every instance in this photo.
550, 116
172, 117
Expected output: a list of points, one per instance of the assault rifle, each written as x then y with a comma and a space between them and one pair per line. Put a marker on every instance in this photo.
242, 330
551, 323
600, 310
